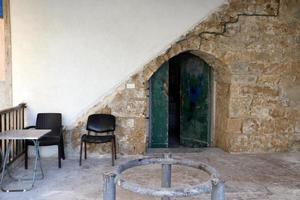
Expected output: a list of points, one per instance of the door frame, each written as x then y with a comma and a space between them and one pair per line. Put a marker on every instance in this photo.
212, 109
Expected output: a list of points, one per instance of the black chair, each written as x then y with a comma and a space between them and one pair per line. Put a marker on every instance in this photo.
100, 123
55, 137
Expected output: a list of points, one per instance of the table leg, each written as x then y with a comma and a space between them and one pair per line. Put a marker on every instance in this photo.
37, 153
36, 162
33, 179
4, 164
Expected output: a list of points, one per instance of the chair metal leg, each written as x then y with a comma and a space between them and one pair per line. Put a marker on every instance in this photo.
112, 152
63, 153
80, 153
85, 150
62, 150
59, 156
26, 156
115, 148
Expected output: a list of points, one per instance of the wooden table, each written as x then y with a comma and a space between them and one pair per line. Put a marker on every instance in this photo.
26, 134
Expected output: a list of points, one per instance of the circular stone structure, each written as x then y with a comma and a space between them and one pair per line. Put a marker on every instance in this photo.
213, 185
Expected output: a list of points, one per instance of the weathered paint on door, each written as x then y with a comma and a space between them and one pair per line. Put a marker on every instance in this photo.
194, 108
159, 85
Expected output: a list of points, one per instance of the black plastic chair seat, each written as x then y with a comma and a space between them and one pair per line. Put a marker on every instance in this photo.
96, 138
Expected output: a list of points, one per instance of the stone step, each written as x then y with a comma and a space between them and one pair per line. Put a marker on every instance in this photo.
160, 151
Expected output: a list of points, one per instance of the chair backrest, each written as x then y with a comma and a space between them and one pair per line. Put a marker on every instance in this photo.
100, 123
49, 121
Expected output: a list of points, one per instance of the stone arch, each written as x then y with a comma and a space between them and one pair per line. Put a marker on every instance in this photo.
192, 45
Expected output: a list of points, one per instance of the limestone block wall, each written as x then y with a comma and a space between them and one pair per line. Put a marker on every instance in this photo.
254, 50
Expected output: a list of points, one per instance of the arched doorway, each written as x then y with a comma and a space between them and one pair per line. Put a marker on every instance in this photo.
180, 103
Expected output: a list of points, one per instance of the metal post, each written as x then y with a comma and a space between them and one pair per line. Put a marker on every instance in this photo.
109, 186
218, 191
166, 175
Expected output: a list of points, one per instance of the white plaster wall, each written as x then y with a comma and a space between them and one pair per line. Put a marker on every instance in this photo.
68, 54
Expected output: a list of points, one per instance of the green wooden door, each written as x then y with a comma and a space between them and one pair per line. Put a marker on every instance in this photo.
159, 107
194, 108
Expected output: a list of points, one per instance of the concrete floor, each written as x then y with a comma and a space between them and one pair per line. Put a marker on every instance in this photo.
256, 176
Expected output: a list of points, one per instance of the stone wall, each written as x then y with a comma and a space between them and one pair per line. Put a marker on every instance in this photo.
254, 50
